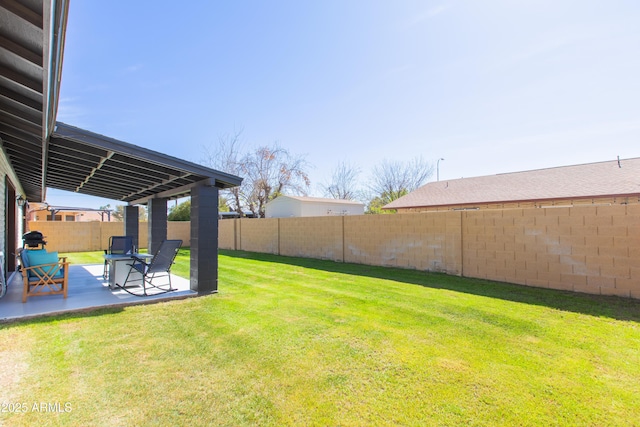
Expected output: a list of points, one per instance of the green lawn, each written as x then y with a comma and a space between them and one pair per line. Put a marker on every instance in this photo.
299, 342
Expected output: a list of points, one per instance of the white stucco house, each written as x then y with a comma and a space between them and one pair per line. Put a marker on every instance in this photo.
298, 206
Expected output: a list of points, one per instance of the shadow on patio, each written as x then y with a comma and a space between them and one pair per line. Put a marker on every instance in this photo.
88, 290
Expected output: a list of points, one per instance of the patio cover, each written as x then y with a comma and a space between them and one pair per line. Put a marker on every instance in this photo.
44, 153
88, 163
31, 48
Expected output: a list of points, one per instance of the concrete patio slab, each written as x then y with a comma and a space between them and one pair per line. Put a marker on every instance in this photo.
87, 290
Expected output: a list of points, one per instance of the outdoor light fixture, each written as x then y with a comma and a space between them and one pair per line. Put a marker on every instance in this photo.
20, 200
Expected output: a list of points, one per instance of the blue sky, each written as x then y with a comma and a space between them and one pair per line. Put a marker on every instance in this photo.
490, 86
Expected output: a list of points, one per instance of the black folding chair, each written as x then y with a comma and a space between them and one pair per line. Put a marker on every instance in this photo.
118, 245
159, 268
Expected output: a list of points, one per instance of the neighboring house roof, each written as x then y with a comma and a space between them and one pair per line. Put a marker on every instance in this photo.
48, 207
76, 209
79, 214
305, 199
604, 179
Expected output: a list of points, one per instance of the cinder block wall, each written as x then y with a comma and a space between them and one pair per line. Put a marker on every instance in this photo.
65, 236
179, 230
106, 230
227, 234
424, 242
312, 237
258, 235
69, 236
593, 249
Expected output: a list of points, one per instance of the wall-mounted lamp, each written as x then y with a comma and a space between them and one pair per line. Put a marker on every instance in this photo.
20, 200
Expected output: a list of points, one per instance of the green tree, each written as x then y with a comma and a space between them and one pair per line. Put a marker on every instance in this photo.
376, 204
107, 212
181, 212
142, 213
118, 213
223, 204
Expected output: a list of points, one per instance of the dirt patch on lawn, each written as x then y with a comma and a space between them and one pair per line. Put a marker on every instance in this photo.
14, 358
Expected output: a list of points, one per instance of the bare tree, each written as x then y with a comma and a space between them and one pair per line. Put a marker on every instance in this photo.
267, 171
270, 171
226, 157
344, 182
393, 179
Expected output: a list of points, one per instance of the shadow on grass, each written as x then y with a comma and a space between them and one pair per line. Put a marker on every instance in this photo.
594, 305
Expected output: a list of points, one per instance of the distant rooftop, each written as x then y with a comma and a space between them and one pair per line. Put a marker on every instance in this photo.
322, 200
604, 179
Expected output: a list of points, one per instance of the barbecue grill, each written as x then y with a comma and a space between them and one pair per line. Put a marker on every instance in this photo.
33, 239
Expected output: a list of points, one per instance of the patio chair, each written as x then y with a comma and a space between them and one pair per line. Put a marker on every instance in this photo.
147, 274
43, 273
118, 245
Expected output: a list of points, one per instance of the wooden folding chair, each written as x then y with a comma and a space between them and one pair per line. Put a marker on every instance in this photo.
44, 279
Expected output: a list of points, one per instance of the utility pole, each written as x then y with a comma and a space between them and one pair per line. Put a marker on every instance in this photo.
438, 169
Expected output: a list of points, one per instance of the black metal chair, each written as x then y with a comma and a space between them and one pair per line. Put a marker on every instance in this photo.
118, 245
159, 268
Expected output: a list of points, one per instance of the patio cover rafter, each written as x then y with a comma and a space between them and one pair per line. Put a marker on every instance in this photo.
164, 183
93, 164
95, 169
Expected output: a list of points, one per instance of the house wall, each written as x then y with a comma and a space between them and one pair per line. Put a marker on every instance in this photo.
283, 207
7, 173
528, 204
5, 203
67, 216
4, 169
